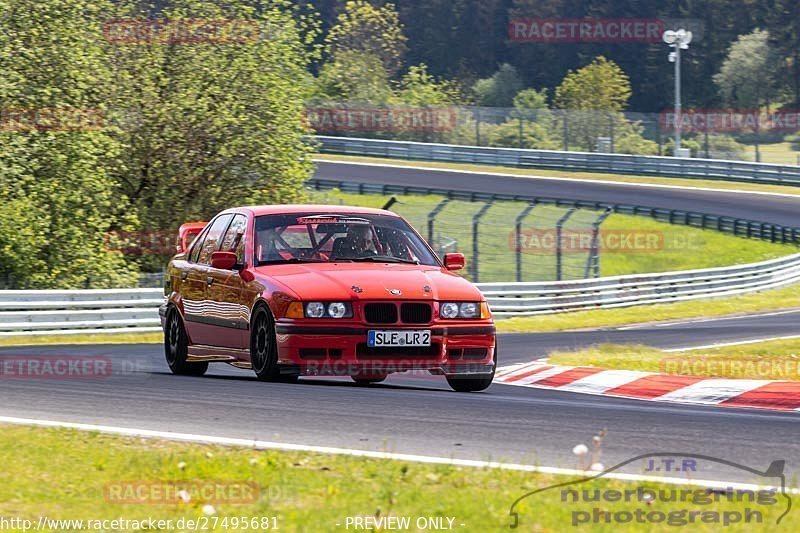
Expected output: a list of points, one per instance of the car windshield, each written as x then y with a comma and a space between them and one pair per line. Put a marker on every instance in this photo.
313, 237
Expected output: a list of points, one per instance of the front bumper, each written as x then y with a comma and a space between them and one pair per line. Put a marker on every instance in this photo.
333, 350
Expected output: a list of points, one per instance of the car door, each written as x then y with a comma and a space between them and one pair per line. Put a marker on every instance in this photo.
192, 289
229, 317
199, 310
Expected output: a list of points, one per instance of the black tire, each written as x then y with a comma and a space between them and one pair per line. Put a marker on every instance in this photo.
176, 348
264, 346
473, 383
368, 380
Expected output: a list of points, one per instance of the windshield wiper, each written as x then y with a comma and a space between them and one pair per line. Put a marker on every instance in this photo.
383, 259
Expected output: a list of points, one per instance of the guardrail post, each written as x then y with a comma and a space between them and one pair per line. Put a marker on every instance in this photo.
475, 246
517, 238
593, 261
432, 218
559, 246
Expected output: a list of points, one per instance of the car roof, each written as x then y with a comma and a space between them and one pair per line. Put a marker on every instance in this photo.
317, 209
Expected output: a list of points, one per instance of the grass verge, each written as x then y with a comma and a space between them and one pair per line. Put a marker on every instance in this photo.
99, 338
66, 474
779, 359
596, 176
785, 298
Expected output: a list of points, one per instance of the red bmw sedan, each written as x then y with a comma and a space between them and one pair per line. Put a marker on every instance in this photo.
312, 290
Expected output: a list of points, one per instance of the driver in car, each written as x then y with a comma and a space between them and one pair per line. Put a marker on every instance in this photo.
357, 244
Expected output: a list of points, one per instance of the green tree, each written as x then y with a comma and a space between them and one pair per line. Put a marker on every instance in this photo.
355, 77
592, 99
418, 87
746, 78
371, 30
210, 124
530, 100
57, 197
601, 85
498, 90
785, 33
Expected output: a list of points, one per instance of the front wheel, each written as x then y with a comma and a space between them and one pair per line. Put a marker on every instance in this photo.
473, 383
176, 348
264, 347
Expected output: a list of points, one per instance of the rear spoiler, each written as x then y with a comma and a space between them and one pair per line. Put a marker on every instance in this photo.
187, 233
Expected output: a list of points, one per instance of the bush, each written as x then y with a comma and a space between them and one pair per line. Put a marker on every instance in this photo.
692, 144
724, 147
794, 141
629, 140
507, 135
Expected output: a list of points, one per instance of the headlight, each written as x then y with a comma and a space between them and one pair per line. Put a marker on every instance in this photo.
337, 310
328, 310
449, 310
469, 310
315, 310
460, 310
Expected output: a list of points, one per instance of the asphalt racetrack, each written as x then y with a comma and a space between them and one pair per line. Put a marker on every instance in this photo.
420, 415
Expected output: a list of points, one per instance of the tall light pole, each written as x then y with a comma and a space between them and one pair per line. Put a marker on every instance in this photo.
679, 40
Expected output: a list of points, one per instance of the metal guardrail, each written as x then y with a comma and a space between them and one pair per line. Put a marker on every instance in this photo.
125, 310
49, 312
573, 161
732, 225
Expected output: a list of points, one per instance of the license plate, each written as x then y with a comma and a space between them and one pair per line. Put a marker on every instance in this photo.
398, 338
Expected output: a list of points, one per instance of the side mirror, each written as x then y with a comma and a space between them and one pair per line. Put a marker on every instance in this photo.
223, 260
454, 261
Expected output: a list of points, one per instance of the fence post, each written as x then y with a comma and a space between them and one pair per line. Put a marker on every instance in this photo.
390, 203
517, 233
566, 132
432, 218
477, 126
475, 246
593, 261
611, 131
559, 247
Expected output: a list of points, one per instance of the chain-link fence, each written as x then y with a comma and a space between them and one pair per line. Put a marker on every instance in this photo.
503, 240
754, 135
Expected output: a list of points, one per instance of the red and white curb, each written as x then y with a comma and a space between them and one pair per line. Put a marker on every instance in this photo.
755, 393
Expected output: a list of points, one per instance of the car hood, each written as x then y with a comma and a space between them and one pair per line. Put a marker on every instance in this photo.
358, 281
